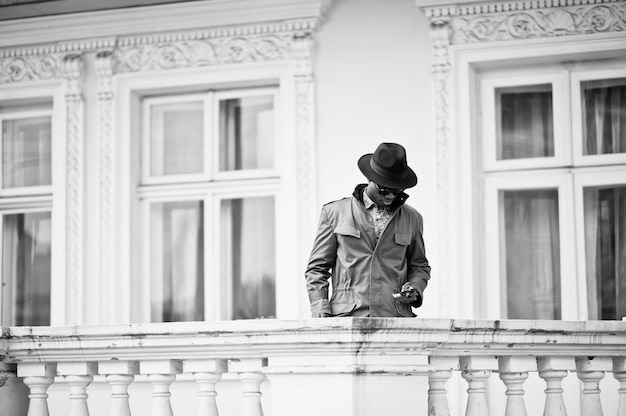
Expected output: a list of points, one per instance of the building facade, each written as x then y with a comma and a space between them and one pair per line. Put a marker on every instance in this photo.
166, 161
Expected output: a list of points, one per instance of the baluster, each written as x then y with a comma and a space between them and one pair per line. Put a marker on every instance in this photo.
591, 371
206, 373
38, 377
250, 374
513, 372
553, 370
119, 374
619, 372
78, 376
161, 373
437, 393
437, 379
476, 371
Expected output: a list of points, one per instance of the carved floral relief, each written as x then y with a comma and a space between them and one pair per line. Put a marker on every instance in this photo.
203, 52
29, 68
537, 23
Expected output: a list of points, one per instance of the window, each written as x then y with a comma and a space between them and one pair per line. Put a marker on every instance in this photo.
208, 187
554, 163
26, 220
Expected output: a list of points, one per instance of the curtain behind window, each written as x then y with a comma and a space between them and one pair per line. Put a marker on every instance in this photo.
26, 268
525, 122
604, 116
532, 254
605, 251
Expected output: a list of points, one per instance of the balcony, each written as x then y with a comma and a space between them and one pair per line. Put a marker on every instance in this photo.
335, 366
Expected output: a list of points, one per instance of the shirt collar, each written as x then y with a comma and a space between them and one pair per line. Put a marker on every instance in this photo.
367, 201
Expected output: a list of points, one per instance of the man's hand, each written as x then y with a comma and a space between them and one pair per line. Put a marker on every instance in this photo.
408, 294
320, 308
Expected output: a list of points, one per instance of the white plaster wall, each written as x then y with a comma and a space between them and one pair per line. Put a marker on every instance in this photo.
373, 84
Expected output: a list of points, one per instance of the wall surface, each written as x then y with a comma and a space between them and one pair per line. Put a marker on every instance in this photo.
373, 84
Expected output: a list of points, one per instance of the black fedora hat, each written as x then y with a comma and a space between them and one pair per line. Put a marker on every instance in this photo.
387, 167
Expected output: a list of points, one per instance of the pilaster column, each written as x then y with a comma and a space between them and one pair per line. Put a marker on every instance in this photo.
440, 34
106, 225
73, 80
304, 123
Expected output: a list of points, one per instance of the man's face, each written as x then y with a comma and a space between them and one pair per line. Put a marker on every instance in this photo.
383, 197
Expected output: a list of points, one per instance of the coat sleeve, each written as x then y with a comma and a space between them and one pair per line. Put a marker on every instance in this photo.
418, 267
322, 260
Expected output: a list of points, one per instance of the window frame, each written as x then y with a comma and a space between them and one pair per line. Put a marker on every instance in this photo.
501, 174
490, 82
576, 79
146, 177
210, 187
222, 300
49, 98
494, 265
26, 190
589, 177
248, 173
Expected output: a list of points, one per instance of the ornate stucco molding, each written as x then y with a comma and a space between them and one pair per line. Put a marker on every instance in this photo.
42, 62
73, 78
23, 68
104, 73
208, 48
440, 41
496, 21
305, 141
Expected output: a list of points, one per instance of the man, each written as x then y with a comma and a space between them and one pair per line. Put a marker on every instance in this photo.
370, 245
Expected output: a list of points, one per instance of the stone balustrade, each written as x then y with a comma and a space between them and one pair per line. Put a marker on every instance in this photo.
334, 366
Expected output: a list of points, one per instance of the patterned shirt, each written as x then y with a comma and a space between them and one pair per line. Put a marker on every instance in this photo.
380, 216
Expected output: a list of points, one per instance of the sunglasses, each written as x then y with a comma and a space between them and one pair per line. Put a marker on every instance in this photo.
385, 191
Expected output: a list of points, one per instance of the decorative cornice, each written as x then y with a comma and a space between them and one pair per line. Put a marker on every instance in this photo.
268, 42
214, 47
136, 21
483, 22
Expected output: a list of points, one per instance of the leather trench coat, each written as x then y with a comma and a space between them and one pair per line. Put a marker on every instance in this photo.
365, 272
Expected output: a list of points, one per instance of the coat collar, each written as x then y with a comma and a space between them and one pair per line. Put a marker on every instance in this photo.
400, 199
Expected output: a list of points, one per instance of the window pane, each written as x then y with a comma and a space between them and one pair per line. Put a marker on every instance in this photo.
247, 133
605, 251
248, 255
26, 257
604, 116
26, 152
531, 250
524, 122
177, 261
176, 138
